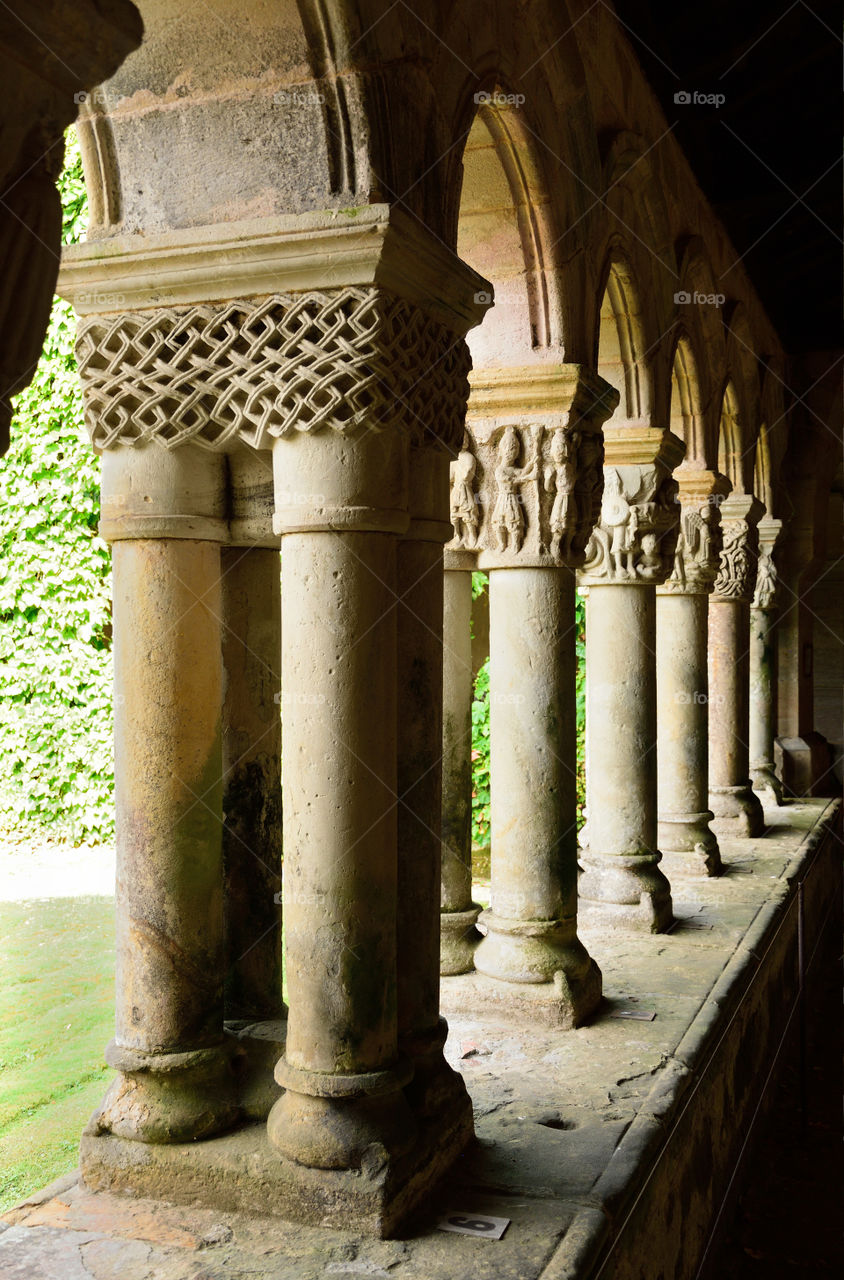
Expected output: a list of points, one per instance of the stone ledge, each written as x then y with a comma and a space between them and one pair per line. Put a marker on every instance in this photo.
608, 1147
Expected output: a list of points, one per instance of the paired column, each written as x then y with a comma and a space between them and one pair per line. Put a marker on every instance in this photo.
629, 554
536, 507
163, 514
686, 841
358, 394
763, 668
737, 810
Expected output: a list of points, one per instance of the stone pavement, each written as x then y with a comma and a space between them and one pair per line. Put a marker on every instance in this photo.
572, 1126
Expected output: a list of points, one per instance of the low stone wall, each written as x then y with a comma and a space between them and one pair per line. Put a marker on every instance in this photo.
659, 1201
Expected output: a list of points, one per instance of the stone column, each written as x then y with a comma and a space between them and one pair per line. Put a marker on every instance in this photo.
629, 554
538, 506
421, 1031
687, 843
362, 680
251, 618
737, 810
340, 385
251, 626
163, 515
459, 934
763, 669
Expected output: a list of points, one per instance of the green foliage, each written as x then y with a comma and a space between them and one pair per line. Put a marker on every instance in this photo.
580, 695
481, 736
480, 758
55, 625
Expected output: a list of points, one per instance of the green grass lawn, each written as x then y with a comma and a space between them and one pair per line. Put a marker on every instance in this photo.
56, 1016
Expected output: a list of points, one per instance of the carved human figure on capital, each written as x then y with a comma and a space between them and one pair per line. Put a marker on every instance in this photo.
622, 521
508, 520
766, 582
465, 513
561, 479
698, 545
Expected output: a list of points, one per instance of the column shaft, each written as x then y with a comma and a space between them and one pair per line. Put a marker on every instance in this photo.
532, 920
737, 810
422, 1033
762, 706
685, 840
622, 883
176, 1082
459, 913
343, 1089
251, 611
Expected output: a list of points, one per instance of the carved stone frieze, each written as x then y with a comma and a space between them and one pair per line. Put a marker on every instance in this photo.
636, 538
527, 494
347, 360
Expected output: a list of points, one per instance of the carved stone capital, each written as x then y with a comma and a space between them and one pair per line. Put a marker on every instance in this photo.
736, 577
526, 485
352, 360
767, 578
699, 541
340, 324
636, 537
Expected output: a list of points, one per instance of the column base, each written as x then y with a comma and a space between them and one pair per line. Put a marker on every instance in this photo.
168, 1097
458, 939
328, 1120
688, 846
565, 1003
435, 1087
243, 1172
737, 811
765, 782
619, 891
258, 1047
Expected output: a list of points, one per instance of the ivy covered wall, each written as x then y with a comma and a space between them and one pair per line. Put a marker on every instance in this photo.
55, 650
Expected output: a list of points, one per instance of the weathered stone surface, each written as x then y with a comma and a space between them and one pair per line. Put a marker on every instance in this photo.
685, 840
176, 1080
621, 884
532, 941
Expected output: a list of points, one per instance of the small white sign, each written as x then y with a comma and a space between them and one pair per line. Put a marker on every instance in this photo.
474, 1224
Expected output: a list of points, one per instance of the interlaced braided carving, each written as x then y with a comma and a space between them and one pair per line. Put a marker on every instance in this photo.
355, 358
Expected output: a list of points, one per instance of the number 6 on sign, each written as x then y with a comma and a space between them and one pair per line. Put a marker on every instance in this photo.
474, 1224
